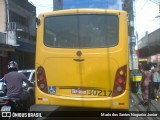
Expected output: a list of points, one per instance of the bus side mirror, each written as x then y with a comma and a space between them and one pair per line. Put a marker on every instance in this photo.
38, 21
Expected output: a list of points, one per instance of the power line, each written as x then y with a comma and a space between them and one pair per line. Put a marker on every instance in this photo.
142, 7
44, 6
156, 1
41, 5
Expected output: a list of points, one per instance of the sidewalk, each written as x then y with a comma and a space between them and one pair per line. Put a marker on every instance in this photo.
154, 106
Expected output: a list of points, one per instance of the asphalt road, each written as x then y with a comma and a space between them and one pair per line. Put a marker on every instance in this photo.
48, 112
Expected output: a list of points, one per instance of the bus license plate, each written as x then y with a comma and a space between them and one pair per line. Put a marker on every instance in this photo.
6, 108
79, 91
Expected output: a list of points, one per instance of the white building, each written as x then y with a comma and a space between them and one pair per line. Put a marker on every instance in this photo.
17, 34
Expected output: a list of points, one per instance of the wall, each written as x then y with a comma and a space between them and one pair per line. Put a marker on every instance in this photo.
3, 16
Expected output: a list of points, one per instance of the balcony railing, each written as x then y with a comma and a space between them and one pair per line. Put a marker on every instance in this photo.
17, 27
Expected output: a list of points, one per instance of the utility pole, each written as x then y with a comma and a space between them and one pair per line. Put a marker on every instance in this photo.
128, 7
158, 16
7, 22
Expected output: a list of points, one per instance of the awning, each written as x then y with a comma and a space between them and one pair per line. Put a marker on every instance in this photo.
26, 47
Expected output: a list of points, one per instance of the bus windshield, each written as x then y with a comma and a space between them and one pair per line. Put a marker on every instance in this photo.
81, 31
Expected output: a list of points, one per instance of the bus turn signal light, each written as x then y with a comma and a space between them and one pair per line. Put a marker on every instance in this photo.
41, 79
120, 81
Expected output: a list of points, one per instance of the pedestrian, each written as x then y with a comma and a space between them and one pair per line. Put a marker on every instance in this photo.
146, 79
156, 82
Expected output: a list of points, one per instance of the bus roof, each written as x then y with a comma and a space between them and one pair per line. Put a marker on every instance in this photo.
82, 11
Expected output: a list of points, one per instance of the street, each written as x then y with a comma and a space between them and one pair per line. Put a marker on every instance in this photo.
80, 53
136, 108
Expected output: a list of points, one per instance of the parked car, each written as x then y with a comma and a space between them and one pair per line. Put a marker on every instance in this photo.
30, 74
2, 88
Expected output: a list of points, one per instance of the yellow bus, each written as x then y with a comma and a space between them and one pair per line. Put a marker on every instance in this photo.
82, 59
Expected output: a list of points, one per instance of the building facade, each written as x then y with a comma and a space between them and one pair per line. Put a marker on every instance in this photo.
57, 5
149, 47
17, 34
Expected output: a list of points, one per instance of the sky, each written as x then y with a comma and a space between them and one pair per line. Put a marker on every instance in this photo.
115, 4
145, 11
145, 17
43, 6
